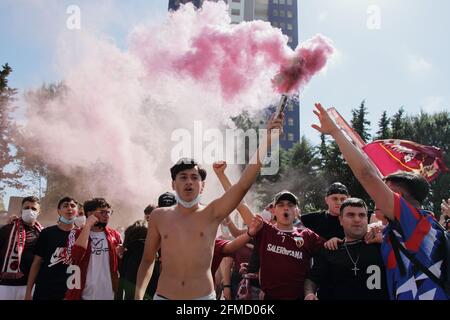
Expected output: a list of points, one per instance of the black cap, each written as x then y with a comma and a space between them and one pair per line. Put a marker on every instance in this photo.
337, 188
285, 195
167, 200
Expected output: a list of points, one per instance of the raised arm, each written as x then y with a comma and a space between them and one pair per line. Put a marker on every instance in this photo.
145, 271
242, 208
240, 241
360, 165
224, 205
83, 238
235, 231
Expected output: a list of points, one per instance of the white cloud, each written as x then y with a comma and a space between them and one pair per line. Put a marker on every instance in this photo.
417, 64
433, 104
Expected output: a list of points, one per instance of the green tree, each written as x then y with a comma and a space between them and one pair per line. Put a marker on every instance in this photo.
431, 130
299, 173
384, 132
9, 174
359, 121
398, 124
35, 171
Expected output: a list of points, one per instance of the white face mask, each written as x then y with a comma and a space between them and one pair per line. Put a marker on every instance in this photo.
65, 220
189, 204
80, 221
29, 216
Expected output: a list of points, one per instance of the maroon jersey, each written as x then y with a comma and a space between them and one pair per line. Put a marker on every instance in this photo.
285, 260
243, 254
218, 255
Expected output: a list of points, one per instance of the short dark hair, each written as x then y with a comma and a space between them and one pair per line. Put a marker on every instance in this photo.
185, 164
337, 188
414, 184
352, 202
66, 199
137, 231
149, 209
31, 199
94, 204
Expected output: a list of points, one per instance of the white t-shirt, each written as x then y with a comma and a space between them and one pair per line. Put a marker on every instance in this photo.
98, 279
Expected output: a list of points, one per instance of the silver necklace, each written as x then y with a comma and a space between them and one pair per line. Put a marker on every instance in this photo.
355, 267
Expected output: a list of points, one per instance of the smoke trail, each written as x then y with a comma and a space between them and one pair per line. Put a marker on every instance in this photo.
309, 59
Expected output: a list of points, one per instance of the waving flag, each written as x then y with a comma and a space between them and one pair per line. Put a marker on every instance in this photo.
393, 155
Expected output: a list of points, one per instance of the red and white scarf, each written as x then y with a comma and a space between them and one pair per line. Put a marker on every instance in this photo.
70, 242
14, 250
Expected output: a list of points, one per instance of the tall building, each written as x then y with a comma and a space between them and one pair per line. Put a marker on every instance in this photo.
175, 4
281, 14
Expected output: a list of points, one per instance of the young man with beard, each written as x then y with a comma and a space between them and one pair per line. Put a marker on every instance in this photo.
17, 242
94, 251
399, 196
354, 271
326, 223
186, 232
49, 268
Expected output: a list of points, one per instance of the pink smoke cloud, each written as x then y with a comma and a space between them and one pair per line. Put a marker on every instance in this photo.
121, 107
309, 59
233, 57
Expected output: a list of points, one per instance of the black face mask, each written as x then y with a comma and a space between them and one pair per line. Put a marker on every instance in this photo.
101, 225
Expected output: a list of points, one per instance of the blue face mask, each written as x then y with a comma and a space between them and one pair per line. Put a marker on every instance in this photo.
189, 204
65, 220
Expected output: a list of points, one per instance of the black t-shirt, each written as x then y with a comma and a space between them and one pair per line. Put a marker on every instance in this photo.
52, 248
324, 224
27, 255
128, 271
334, 271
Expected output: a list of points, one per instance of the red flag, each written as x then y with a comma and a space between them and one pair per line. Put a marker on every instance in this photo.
393, 155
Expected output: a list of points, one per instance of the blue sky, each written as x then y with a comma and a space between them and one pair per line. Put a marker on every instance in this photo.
30, 31
404, 62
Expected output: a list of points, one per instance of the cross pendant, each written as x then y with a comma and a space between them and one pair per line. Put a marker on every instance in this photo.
355, 268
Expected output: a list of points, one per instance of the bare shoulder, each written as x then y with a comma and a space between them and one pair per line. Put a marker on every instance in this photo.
207, 210
161, 213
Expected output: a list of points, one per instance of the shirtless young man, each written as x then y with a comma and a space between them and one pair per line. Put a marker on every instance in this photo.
186, 232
